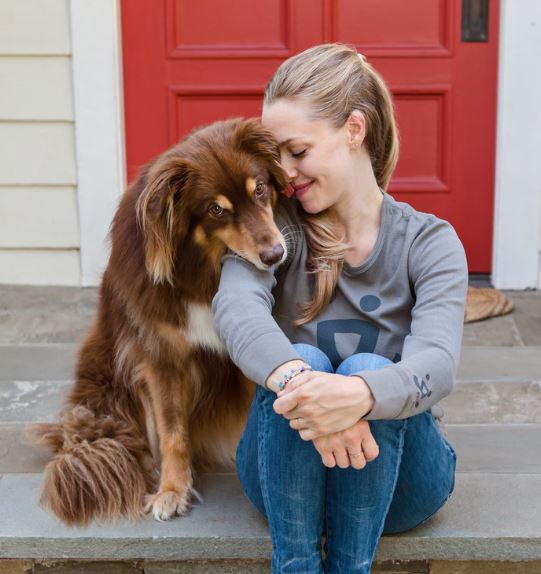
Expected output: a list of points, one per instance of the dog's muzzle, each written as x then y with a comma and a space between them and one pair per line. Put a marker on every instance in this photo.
272, 256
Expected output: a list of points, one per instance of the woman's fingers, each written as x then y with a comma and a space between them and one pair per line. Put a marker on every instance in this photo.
298, 423
370, 448
296, 382
357, 458
328, 459
285, 403
341, 457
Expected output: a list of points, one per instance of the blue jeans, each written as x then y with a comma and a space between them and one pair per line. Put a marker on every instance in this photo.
284, 477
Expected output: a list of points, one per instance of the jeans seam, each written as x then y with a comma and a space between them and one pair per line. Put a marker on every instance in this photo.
262, 432
390, 493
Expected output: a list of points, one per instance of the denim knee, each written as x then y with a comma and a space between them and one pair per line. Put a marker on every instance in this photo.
316, 358
362, 362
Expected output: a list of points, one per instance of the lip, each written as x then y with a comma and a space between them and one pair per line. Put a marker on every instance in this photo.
300, 190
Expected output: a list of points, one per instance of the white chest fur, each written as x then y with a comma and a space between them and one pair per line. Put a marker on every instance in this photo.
200, 329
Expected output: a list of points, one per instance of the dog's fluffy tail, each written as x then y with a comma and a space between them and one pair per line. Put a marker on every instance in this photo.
100, 470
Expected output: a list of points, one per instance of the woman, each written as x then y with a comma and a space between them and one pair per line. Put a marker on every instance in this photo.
362, 322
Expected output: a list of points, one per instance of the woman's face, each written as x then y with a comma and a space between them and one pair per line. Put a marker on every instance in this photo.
316, 156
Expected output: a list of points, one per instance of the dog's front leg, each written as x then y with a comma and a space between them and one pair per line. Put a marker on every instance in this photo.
169, 398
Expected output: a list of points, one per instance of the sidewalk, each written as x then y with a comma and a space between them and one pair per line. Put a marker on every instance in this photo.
493, 419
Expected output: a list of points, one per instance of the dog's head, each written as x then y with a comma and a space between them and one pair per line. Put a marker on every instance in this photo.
215, 189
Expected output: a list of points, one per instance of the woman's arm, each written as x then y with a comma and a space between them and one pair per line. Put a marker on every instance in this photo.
426, 373
242, 310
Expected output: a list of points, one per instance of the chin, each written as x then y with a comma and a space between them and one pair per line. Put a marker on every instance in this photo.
313, 207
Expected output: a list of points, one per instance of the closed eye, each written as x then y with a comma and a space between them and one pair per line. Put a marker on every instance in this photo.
298, 154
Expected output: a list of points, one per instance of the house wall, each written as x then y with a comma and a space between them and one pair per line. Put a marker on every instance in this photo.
53, 177
39, 230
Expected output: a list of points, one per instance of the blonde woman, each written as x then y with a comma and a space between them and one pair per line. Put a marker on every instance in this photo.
353, 339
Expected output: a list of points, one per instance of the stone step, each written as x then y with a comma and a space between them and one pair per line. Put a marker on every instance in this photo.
477, 364
495, 384
498, 449
471, 402
37, 362
500, 364
489, 517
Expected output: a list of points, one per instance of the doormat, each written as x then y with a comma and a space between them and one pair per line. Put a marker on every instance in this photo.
483, 303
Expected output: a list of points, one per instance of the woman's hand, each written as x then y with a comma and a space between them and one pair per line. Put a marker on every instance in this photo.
354, 447
318, 404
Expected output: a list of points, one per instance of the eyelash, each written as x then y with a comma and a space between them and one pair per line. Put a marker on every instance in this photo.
298, 154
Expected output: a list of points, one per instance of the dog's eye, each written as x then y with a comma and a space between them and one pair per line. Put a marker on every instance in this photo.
260, 189
216, 210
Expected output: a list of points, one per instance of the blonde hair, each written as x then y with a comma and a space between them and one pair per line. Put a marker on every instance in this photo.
334, 80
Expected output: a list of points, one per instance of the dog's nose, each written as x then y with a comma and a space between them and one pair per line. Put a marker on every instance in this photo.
271, 256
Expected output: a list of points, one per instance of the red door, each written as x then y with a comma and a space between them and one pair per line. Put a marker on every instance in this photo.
189, 62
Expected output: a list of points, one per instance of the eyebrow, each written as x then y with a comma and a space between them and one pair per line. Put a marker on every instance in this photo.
288, 140
285, 142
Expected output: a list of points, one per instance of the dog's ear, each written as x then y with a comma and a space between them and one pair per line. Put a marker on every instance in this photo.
160, 214
255, 139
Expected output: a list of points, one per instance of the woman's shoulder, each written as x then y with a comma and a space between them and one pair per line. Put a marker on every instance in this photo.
419, 223
429, 238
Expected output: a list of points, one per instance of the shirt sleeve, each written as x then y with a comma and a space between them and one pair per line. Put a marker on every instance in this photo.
242, 310
431, 352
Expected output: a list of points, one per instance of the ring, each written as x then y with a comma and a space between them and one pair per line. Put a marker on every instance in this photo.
354, 454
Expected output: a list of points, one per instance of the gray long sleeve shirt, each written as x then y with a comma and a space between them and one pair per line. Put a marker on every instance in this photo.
405, 302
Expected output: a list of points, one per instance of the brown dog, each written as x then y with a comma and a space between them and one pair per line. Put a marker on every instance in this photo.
156, 396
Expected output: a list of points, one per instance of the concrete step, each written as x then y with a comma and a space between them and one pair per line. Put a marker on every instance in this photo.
489, 517
495, 384
480, 448
477, 364
37, 362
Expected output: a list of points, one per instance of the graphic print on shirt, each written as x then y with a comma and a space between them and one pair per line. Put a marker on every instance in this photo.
329, 333
423, 388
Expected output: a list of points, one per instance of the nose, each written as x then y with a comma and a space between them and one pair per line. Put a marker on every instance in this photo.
288, 166
272, 256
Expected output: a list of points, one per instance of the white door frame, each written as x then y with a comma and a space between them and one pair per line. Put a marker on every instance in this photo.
99, 127
517, 215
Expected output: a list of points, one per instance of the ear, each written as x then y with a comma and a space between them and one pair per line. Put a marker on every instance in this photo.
159, 214
356, 127
254, 139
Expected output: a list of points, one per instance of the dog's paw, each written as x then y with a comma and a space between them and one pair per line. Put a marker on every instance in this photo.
168, 503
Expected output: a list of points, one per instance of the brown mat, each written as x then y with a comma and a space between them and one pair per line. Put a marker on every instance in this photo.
483, 303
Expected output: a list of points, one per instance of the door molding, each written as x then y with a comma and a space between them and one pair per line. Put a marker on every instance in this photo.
517, 215
99, 126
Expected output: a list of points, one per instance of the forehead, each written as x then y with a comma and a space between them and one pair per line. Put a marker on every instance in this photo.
292, 120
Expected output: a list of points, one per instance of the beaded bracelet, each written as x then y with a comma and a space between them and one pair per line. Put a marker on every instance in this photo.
289, 375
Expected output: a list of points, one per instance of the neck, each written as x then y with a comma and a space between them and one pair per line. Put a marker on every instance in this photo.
359, 211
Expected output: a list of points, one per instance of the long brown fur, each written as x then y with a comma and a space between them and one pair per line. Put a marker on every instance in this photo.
155, 398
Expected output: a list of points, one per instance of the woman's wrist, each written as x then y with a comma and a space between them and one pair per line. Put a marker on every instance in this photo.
367, 398
284, 373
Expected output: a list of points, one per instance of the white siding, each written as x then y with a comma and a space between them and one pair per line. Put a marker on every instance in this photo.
34, 27
34, 153
39, 217
39, 223
40, 267
35, 88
